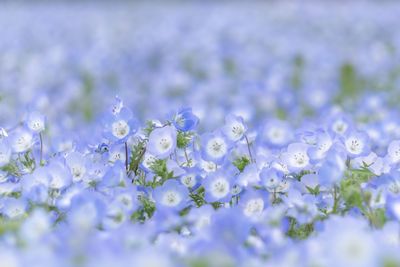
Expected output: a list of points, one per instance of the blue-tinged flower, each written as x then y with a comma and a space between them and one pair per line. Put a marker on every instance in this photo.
119, 126
147, 161
184, 120
301, 207
21, 140
374, 163
13, 208
86, 211
5, 152
234, 128
36, 184
339, 124
218, 186
393, 206
271, 178
346, 241
190, 179
3, 176
214, 147
356, 144
171, 196
162, 142
172, 166
115, 215
95, 171
115, 176
36, 226
77, 165
117, 153
296, 157
230, 228
127, 198
310, 180
36, 122
322, 145
3, 133
249, 176
332, 168
65, 200
60, 177
276, 134
394, 151
253, 203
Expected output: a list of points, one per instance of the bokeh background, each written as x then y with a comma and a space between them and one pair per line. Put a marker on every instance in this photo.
292, 60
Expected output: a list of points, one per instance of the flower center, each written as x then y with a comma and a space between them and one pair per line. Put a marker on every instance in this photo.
120, 129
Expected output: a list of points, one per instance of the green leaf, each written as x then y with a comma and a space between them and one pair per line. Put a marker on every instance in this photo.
159, 168
183, 139
137, 153
241, 163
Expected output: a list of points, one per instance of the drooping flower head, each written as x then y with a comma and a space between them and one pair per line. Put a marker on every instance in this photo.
184, 120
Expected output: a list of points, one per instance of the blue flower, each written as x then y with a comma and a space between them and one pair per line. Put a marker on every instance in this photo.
218, 186
253, 203
171, 195
356, 144
184, 120
5, 152
119, 126
21, 140
36, 122
214, 147
296, 158
271, 178
162, 142
393, 206
234, 128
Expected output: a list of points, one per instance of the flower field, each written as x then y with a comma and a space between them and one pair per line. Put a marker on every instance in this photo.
200, 134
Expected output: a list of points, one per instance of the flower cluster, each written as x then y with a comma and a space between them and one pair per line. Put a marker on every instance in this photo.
275, 138
326, 195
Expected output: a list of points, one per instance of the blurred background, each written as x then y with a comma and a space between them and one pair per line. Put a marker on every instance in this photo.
291, 60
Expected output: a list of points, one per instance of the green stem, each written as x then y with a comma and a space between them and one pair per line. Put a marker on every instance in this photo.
41, 149
126, 157
249, 149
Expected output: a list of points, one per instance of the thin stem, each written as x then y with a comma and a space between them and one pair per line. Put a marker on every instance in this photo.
186, 156
41, 149
126, 157
248, 147
335, 200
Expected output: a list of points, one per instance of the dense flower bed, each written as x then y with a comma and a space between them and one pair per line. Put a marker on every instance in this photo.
269, 136
320, 195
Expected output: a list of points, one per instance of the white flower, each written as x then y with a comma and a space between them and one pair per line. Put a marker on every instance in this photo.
162, 141
189, 180
171, 198
234, 128
394, 151
5, 153
22, 141
253, 207
36, 122
120, 129
296, 157
215, 148
219, 187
